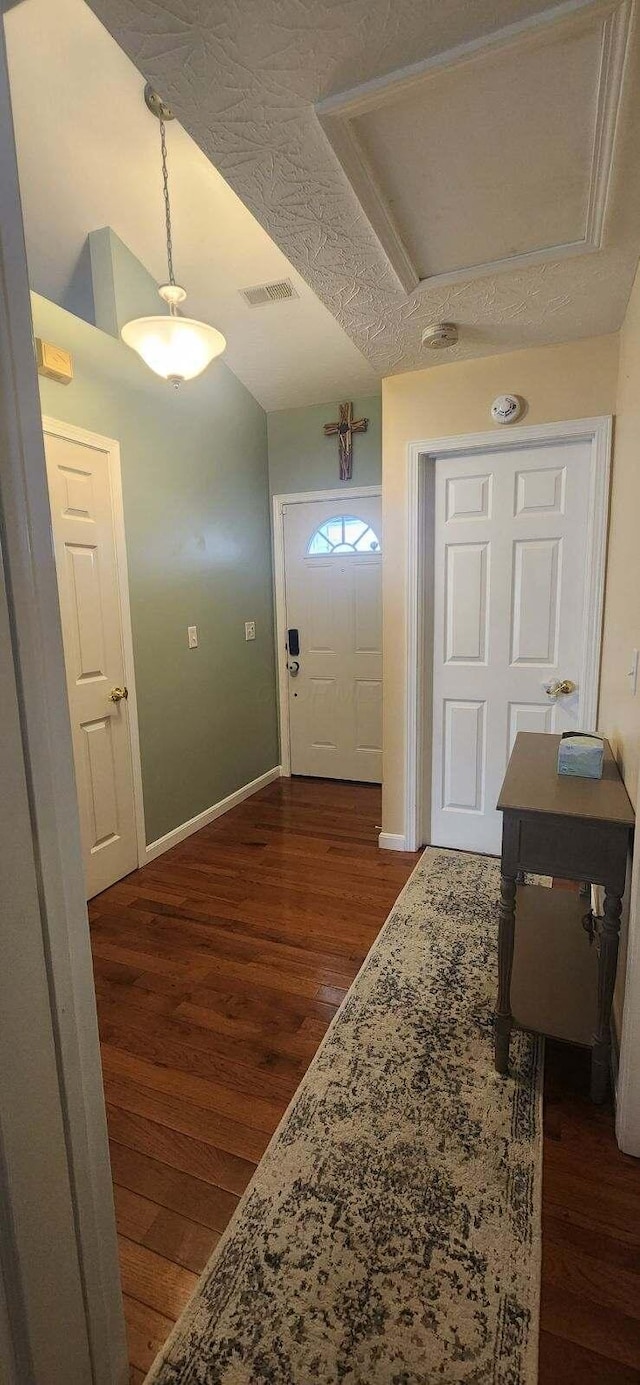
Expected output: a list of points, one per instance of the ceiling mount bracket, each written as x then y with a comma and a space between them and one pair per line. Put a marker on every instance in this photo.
156, 105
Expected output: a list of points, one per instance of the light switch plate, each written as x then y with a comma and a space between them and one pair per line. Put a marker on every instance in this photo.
249, 629
192, 633
632, 673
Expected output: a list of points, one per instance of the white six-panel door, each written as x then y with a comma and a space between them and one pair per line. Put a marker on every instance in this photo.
334, 600
510, 555
82, 521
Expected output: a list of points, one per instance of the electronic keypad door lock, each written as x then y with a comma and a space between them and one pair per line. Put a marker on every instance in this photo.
293, 650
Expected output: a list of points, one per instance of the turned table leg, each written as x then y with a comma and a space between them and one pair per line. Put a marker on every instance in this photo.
607, 964
506, 934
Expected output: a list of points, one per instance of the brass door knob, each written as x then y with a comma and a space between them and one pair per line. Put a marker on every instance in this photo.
117, 694
561, 689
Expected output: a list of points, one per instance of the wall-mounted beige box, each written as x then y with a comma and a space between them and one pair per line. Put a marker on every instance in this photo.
54, 362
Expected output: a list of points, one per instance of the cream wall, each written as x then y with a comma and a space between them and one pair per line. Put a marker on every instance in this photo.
619, 717
619, 708
573, 380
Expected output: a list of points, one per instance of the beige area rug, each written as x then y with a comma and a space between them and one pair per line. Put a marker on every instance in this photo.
391, 1233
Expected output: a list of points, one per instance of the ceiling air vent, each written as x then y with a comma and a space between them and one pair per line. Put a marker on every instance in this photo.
261, 294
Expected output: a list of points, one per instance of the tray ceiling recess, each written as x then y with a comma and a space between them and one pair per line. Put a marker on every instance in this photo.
494, 156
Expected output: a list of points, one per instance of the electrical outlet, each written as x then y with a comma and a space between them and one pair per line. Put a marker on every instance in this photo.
192, 634
249, 629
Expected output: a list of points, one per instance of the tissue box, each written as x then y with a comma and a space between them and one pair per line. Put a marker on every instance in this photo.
581, 754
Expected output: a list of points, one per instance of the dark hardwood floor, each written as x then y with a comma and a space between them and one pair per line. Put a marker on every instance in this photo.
590, 1316
218, 968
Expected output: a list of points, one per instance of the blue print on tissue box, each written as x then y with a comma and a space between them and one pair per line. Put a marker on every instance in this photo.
581, 754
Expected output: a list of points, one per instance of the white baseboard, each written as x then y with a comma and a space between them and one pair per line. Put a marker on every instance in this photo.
185, 829
392, 841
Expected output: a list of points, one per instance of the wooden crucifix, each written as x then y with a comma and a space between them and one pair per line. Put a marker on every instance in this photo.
346, 426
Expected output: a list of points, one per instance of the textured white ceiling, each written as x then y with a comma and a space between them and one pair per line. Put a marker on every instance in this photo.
89, 156
244, 77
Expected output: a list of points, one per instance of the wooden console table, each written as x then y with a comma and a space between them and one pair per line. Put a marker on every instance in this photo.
574, 829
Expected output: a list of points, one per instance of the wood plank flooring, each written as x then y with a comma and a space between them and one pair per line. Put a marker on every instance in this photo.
590, 1318
218, 968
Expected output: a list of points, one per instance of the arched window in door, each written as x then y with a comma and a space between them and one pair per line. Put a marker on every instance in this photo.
343, 534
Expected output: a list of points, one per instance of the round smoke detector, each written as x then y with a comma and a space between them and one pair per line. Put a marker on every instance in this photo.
439, 335
506, 408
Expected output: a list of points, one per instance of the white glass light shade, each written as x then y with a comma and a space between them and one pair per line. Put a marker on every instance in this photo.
177, 348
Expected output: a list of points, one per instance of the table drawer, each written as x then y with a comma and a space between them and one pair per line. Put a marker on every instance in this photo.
574, 849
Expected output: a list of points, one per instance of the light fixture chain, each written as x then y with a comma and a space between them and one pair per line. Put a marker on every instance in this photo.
167, 205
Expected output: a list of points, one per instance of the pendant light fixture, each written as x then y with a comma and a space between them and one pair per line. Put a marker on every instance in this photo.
175, 347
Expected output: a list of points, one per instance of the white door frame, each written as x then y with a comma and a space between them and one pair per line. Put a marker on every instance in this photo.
62, 1308
421, 459
296, 498
55, 428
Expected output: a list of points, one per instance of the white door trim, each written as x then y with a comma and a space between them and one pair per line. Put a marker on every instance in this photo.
295, 498
55, 428
421, 457
64, 1307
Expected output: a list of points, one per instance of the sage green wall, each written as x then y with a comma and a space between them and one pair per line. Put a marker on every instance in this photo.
302, 459
122, 287
195, 484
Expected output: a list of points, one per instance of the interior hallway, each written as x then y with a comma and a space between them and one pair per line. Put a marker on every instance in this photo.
218, 968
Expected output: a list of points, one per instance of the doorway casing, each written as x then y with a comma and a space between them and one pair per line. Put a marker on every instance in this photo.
421, 459
279, 501
61, 1316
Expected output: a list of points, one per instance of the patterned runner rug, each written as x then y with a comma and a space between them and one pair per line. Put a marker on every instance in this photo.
391, 1233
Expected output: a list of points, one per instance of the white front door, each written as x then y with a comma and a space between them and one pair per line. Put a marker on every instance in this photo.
510, 565
333, 585
83, 531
